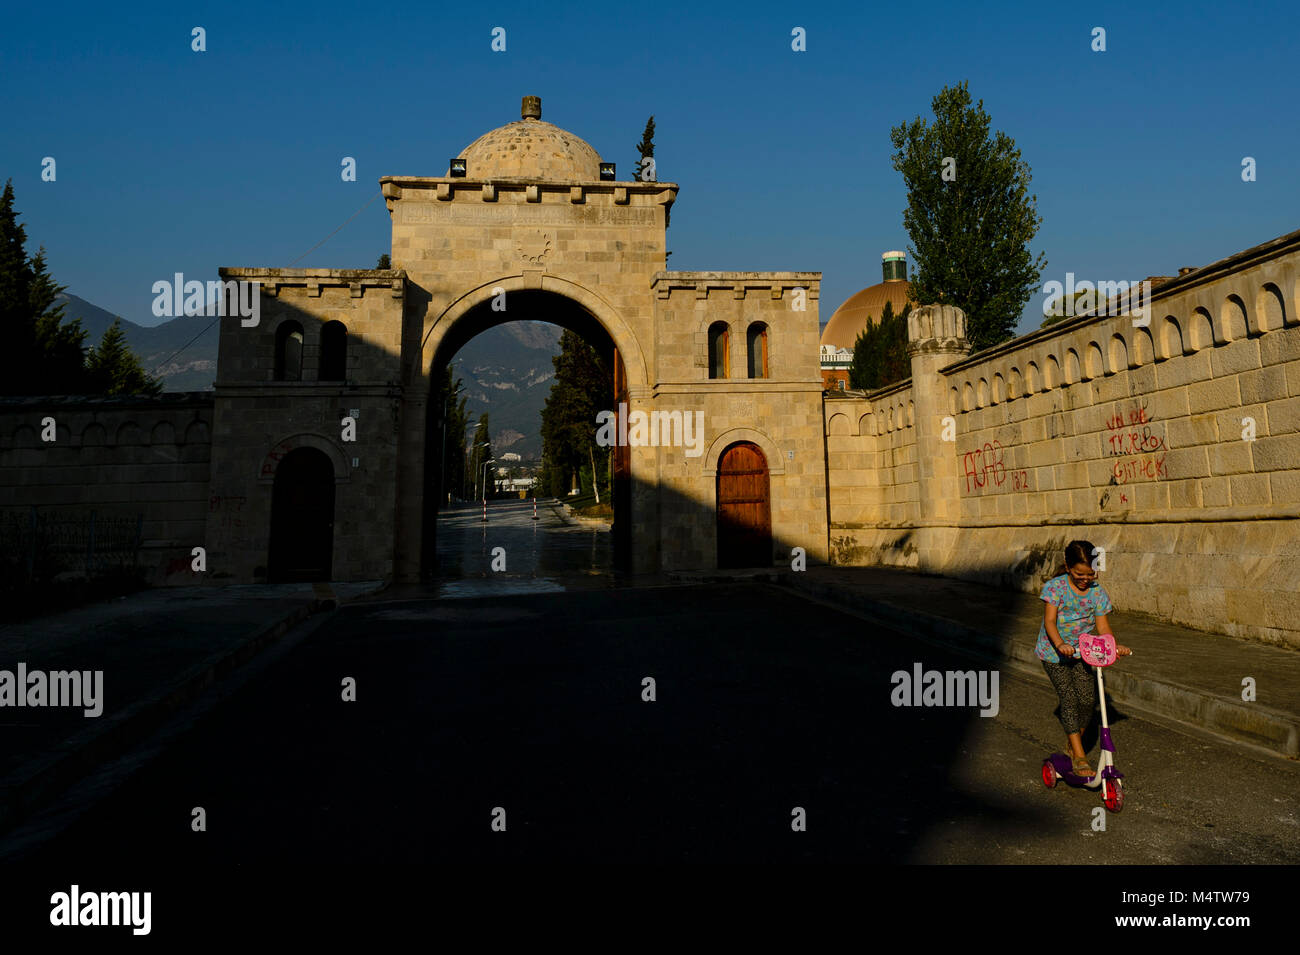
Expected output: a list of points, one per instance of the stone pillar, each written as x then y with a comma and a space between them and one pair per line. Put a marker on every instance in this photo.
936, 337
643, 462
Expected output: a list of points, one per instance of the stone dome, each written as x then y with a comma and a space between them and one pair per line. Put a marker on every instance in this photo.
851, 318
531, 149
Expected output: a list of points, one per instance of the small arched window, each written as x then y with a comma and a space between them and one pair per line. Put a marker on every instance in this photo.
757, 347
288, 352
333, 352
719, 360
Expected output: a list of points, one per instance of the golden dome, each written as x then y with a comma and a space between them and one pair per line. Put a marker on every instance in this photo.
850, 319
531, 149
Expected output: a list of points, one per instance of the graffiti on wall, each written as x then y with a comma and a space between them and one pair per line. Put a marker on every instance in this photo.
1136, 449
985, 470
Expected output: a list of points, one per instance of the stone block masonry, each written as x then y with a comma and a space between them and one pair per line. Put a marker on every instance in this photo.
122, 458
1175, 446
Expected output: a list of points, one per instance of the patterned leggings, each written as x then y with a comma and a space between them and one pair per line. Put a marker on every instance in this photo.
1077, 688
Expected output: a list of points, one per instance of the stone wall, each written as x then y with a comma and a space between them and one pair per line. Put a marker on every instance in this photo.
1175, 447
779, 413
258, 420
118, 457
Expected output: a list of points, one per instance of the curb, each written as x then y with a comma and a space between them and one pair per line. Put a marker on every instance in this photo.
1259, 725
32, 785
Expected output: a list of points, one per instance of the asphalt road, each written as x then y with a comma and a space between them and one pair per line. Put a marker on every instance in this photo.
765, 703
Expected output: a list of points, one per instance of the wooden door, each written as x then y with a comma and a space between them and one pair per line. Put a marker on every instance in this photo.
744, 508
302, 518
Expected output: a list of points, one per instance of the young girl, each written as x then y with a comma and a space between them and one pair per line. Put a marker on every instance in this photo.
1075, 604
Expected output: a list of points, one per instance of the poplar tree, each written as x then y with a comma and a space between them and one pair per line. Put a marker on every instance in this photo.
969, 215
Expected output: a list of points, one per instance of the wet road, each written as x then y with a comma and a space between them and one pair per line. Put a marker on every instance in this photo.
546, 555
525, 690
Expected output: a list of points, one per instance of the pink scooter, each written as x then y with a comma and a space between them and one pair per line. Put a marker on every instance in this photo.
1099, 651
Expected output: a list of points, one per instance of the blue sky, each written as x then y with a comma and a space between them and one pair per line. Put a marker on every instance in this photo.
175, 161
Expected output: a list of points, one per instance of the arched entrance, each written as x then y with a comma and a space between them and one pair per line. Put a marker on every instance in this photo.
302, 518
744, 508
557, 302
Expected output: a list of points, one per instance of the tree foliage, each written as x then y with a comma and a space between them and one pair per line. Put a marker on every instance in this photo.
970, 229
449, 404
43, 352
1057, 304
113, 369
646, 148
583, 386
880, 353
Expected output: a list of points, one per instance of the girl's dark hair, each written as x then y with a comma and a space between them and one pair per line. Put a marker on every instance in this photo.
1077, 552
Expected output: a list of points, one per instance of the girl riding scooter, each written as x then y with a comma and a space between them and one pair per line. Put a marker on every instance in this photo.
1075, 603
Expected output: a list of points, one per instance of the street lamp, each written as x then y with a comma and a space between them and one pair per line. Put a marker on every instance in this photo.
473, 453
485, 467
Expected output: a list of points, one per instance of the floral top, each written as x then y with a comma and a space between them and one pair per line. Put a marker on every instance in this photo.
1075, 614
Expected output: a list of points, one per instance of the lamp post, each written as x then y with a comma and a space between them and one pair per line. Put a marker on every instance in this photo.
485, 467
473, 451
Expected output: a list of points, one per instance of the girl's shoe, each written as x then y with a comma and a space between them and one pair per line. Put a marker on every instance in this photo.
1081, 767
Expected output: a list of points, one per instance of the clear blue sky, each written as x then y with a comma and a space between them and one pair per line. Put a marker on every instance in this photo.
176, 161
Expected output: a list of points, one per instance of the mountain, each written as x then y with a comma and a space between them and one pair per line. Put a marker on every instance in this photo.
506, 370
194, 369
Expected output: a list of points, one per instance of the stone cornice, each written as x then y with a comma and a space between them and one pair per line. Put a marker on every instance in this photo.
358, 280
308, 389
1205, 275
736, 386
737, 283
395, 188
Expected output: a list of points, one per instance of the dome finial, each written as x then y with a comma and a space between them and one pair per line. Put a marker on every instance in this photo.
532, 108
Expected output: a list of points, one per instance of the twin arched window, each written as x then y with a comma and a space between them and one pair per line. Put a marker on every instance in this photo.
288, 352
720, 352
756, 341
333, 352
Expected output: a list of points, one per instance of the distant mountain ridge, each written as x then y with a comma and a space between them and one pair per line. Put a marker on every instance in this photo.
506, 371
195, 369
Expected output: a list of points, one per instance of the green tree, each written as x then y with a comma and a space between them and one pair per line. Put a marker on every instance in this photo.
61, 347
880, 353
42, 353
646, 147
114, 369
583, 386
385, 262
449, 402
969, 215
1056, 305
18, 358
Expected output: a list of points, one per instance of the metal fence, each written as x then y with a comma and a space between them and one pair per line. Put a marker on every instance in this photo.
43, 544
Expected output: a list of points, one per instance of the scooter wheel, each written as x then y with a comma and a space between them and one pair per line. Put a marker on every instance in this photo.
1112, 794
1049, 774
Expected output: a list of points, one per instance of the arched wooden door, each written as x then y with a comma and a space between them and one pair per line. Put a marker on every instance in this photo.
744, 508
302, 518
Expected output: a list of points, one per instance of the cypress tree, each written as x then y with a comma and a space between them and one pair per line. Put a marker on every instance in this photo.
114, 369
